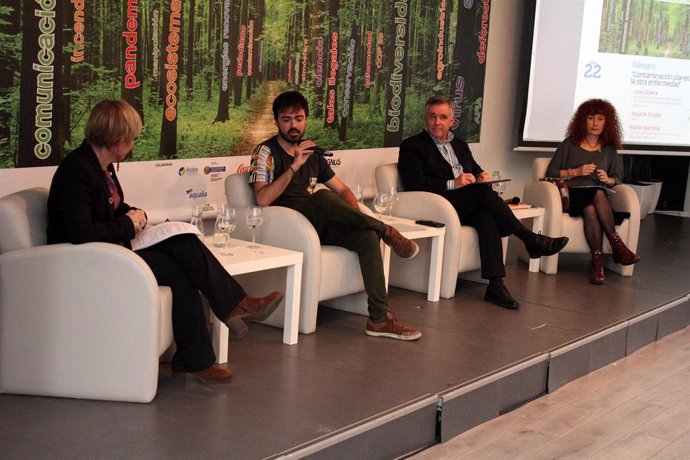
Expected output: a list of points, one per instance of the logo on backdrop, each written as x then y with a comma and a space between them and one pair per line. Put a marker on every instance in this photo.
215, 172
188, 171
213, 169
192, 195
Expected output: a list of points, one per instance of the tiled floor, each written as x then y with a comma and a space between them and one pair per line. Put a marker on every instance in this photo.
283, 396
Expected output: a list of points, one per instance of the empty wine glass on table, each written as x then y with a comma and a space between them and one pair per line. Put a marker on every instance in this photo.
218, 237
228, 225
359, 193
226, 221
197, 219
393, 198
381, 203
498, 187
254, 220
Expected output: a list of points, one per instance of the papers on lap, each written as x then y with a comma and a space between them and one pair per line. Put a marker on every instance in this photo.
489, 182
152, 235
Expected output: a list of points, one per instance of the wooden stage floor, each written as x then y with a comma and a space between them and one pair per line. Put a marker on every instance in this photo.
338, 379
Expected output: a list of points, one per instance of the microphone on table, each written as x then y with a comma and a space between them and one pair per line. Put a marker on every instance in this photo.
513, 200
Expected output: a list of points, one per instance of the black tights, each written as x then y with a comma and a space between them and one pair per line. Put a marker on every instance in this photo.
598, 220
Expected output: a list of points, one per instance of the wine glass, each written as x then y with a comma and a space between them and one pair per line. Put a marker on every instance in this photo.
498, 187
393, 199
228, 222
254, 220
359, 193
312, 185
381, 203
197, 219
218, 235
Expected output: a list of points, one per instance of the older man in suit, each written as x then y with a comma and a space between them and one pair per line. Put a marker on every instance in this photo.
436, 161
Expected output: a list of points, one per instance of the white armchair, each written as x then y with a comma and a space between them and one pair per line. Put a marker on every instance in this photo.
557, 223
79, 321
461, 248
327, 271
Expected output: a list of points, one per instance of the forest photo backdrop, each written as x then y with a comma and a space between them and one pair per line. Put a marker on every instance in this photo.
203, 73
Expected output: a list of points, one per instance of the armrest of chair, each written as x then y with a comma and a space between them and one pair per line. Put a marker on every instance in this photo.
545, 195
625, 200
425, 205
79, 321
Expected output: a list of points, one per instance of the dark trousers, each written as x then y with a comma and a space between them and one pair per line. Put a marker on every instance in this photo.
482, 209
339, 224
185, 264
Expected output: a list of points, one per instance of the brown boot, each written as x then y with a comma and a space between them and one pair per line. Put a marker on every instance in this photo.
253, 309
596, 267
621, 254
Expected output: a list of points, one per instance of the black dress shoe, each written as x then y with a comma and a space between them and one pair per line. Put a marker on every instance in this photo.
500, 295
545, 246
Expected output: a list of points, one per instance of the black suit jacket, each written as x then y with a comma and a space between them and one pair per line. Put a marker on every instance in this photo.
423, 168
79, 208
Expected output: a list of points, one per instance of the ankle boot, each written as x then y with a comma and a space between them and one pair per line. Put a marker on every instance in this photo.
621, 254
596, 267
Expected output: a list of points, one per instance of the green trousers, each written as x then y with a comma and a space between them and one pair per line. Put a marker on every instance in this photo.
339, 224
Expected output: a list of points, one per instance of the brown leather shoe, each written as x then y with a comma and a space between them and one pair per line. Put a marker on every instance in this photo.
392, 328
253, 309
238, 328
407, 249
214, 374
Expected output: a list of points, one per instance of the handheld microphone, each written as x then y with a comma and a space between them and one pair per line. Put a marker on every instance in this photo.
323, 152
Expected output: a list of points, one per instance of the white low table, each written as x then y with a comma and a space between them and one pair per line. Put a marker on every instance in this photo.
412, 231
537, 215
246, 260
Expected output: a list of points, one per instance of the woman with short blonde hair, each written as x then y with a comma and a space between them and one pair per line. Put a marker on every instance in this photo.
86, 204
112, 120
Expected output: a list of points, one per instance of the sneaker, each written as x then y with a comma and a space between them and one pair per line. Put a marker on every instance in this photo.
392, 328
407, 249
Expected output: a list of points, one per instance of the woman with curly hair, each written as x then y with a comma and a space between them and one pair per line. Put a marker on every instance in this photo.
587, 160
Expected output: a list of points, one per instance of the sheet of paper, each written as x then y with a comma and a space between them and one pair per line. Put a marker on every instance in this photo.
157, 233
